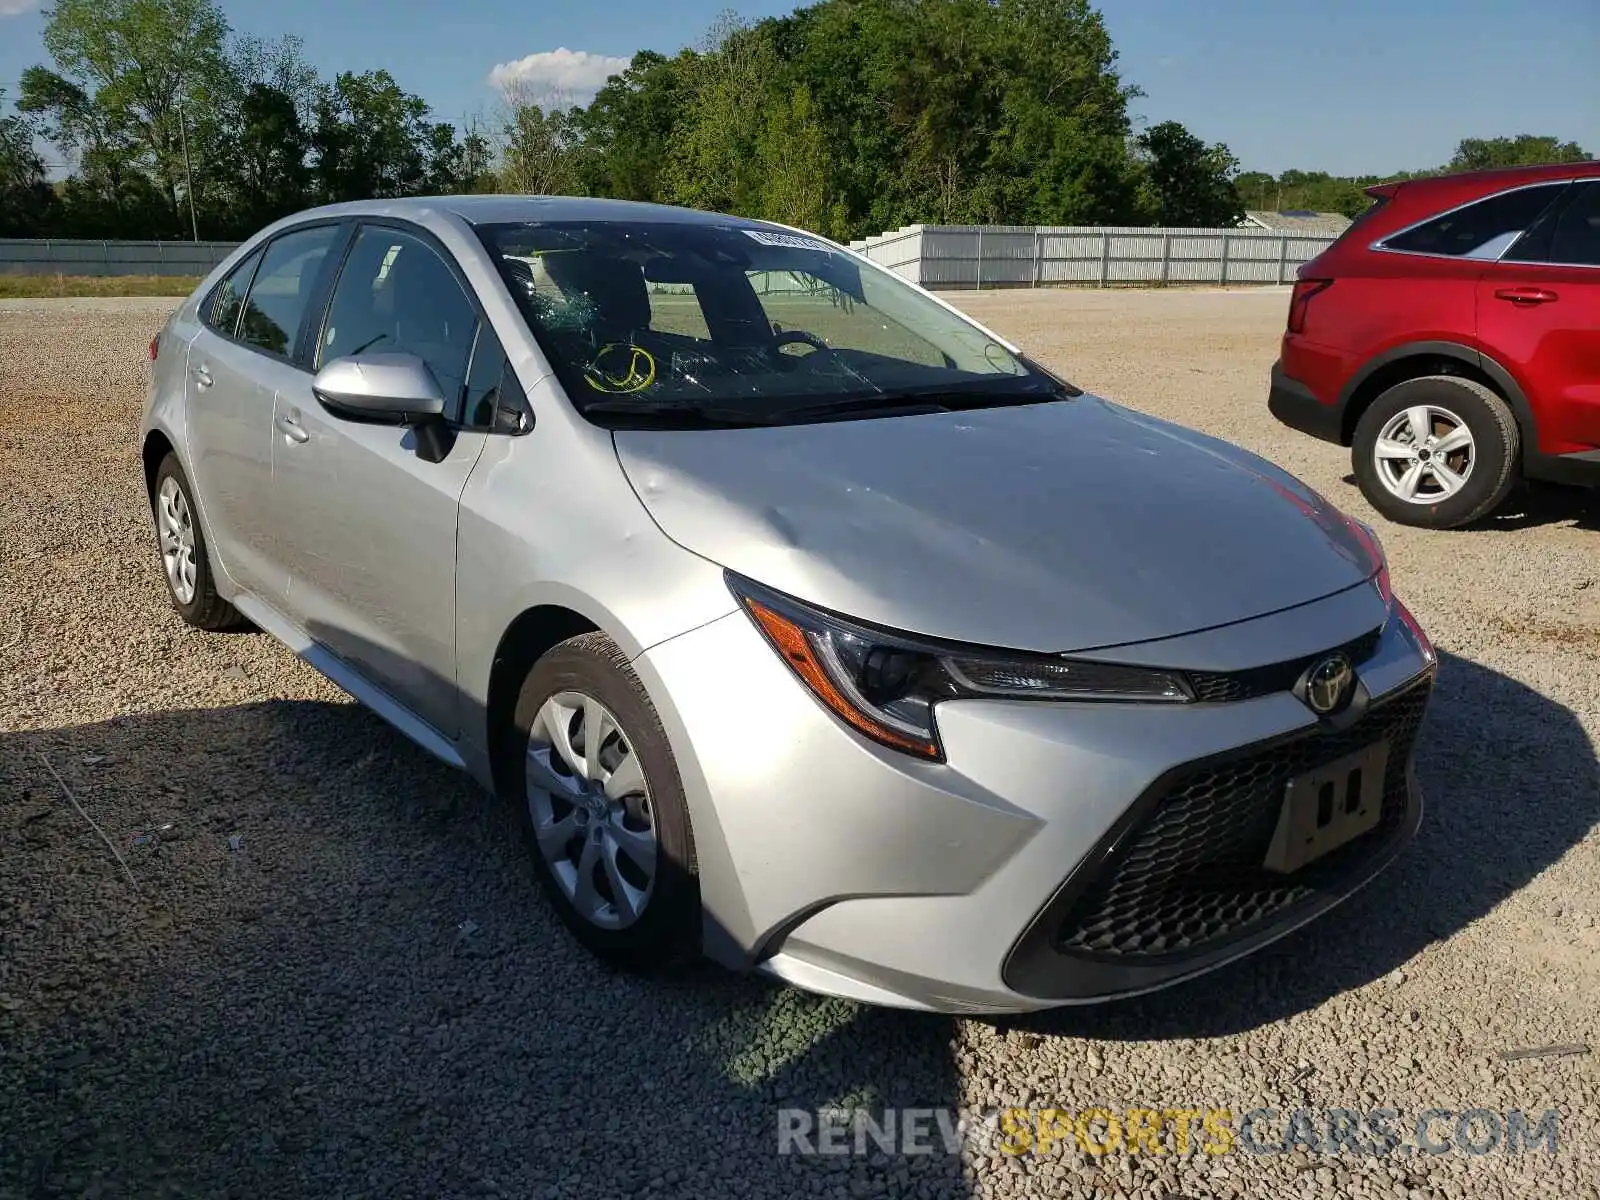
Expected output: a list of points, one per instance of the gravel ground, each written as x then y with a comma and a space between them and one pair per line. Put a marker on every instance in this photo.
327, 971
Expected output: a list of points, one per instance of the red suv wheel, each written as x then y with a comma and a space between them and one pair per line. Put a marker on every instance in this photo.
1439, 451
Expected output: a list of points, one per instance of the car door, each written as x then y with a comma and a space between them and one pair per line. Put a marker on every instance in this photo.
251, 324
1539, 317
370, 524
229, 426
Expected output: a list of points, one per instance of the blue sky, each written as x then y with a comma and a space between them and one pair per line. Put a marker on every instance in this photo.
1352, 86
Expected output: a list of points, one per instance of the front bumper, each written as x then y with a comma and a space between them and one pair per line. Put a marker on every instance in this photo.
1293, 403
847, 868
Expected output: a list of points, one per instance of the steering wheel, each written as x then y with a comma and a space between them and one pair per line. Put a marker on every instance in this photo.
800, 337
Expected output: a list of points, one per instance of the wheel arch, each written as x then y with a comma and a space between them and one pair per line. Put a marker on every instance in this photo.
157, 445
540, 627
532, 634
1415, 360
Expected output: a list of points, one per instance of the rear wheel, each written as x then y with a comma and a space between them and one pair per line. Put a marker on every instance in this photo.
184, 557
1436, 452
602, 808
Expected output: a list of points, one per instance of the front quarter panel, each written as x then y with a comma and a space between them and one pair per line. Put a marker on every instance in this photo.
548, 518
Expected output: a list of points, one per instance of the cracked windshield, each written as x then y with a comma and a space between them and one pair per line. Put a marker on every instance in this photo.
740, 323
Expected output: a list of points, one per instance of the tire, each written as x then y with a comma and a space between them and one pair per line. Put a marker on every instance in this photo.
664, 928
200, 605
1487, 467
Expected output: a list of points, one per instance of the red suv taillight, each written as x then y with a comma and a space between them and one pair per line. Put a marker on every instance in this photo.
155, 347
1304, 290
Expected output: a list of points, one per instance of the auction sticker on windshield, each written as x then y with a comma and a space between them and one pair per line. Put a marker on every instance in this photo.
792, 240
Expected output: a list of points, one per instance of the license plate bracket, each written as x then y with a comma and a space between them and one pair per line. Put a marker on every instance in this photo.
1325, 808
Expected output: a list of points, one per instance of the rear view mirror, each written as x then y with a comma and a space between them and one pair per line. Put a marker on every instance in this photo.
396, 389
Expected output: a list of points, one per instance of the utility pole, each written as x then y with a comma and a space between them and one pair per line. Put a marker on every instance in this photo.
188, 171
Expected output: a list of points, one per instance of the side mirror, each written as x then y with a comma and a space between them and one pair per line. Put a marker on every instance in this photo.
391, 389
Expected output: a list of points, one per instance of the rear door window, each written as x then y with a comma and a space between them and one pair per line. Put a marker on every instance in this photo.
283, 287
227, 302
1577, 231
1482, 230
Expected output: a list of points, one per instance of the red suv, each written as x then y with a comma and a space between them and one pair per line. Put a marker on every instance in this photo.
1451, 338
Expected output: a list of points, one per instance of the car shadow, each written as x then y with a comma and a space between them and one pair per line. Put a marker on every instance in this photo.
333, 973
1533, 505
1510, 784
1537, 504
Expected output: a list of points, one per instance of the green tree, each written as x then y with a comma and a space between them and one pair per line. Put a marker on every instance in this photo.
619, 142
26, 198
1059, 146
265, 149
1190, 183
374, 139
536, 156
712, 157
144, 67
108, 186
280, 64
1007, 111
1475, 154
794, 165
249, 136
477, 159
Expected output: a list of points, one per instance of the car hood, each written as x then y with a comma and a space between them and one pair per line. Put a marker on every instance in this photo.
1062, 526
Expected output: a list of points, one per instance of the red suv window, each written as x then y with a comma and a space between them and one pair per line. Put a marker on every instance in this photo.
1485, 229
1577, 229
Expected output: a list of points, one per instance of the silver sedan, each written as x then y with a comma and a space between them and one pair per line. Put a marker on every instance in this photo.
805, 623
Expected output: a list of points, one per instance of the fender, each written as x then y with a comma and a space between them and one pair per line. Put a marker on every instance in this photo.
1581, 470
1468, 356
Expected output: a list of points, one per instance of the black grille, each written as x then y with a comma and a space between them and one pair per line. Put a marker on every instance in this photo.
1189, 876
1219, 688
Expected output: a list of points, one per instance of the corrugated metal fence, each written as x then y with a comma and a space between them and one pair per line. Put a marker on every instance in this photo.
939, 256
21, 256
971, 256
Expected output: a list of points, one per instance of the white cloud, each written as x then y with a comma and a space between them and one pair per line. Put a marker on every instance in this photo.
574, 75
13, 8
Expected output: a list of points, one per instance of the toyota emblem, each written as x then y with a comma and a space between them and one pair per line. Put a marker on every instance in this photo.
1328, 684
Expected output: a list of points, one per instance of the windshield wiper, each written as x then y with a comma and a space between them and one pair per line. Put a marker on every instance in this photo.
694, 412
915, 400
961, 397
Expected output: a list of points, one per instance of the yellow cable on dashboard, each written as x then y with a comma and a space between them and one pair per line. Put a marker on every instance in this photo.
634, 381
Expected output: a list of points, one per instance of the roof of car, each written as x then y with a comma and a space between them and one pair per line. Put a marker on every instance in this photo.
1499, 177
492, 210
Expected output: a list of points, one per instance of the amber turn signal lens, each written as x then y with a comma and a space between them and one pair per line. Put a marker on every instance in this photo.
795, 646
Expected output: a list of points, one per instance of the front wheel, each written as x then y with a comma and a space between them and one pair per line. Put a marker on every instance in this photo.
1437, 452
602, 808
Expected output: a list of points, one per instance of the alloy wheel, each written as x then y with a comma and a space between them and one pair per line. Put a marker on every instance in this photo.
175, 529
1424, 454
591, 811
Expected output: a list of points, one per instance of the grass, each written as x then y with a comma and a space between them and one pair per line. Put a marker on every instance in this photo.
33, 287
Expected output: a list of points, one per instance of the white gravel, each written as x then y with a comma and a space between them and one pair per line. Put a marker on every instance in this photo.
368, 996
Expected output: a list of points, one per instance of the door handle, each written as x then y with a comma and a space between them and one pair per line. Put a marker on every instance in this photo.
202, 376
1526, 295
289, 425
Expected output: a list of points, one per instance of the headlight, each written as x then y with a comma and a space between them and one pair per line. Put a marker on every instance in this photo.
1377, 561
1396, 607
886, 685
